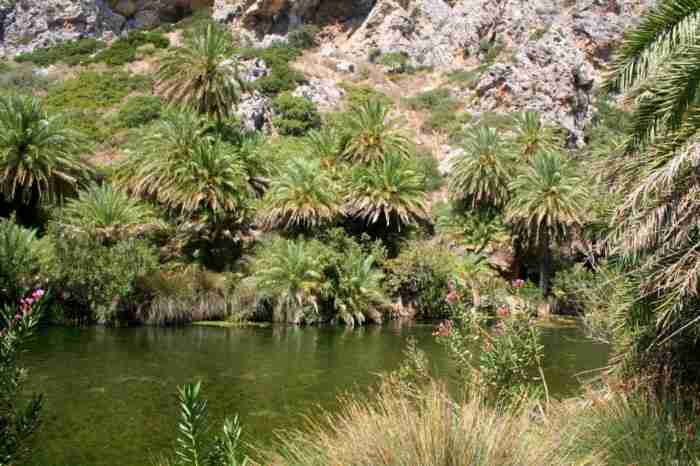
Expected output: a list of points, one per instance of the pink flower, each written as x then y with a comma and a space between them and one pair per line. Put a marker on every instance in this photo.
452, 297
518, 283
503, 311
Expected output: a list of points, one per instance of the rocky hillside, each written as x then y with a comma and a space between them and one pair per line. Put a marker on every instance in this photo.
544, 55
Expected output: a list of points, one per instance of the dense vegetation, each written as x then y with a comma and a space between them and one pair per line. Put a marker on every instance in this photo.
141, 198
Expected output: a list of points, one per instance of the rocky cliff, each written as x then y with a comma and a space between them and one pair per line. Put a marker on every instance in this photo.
544, 55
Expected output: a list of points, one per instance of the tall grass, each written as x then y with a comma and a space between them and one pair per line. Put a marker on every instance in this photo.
407, 428
403, 426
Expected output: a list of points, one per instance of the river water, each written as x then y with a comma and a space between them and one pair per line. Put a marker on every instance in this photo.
111, 393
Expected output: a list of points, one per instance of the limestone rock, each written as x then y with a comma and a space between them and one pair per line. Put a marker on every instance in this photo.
325, 93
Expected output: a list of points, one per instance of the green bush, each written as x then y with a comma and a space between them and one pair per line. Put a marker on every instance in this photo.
503, 359
140, 110
19, 261
420, 276
359, 95
85, 98
95, 279
295, 115
304, 37
428, 166
71, 53
278, 58
92, 90
125, 50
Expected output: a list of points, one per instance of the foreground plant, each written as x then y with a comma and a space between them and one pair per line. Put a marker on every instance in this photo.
656, 229
19, 421
194, 446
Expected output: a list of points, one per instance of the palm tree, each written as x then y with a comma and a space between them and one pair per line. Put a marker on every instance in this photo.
481, 175
289, 273
303, 196
358, 293
103, 212
389, 192
548, 197
323, 145
658, 67
203, 74
532, 135
369, 134
39, 154
206, 180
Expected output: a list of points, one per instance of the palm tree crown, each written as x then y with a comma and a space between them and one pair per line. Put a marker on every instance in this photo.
390, 191
481, 175
39, 155
303, 196
369, 134
203, 74
102, 211
658, 67
548, 199
532, 135
188, 171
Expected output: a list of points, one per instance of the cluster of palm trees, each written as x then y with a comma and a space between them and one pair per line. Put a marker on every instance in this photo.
525, 175
362, 171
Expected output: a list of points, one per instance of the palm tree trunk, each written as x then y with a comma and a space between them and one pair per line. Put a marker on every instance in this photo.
545, 263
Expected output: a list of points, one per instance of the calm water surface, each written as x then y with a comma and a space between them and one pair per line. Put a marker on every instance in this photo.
110, 393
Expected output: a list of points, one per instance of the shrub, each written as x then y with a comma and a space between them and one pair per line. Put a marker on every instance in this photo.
304, 37
428, 166
20, 252
95, 280
358, 95
140, 110
92, 90
278, 58
71, 53
19, 414
295, 115
420, 276
125, 50
500, 359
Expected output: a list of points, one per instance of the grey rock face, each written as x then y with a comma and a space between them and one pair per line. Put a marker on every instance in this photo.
28, 24
325, 93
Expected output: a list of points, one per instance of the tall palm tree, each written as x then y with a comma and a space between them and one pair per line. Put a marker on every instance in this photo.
369, 134
481, 175
389, 192
533, 135
303, 196
103, 212
203, 74
548, 199
658, 67
40, 157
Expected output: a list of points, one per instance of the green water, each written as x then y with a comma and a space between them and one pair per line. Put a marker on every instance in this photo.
110, 393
